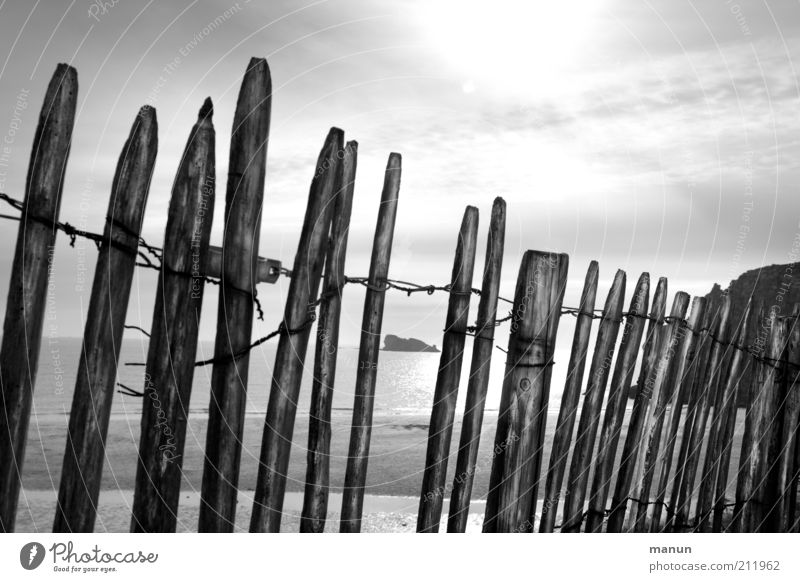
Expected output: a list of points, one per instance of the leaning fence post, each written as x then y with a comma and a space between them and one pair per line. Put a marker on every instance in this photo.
706, 387
787, 469
615, 405
758, 513
479, 372
523, 407
657, 384
243, 203
631, 450
315, 500
592, 401
723, 442
293, 342
565, 424
682, 382
445, 394
361, 431
173, 334
27, 290
97, 371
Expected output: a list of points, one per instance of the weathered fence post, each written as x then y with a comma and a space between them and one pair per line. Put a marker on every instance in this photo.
361, 431
315, 500
479, 372
682, 383
445, 394
592, 401
617, 400
82, 471
657, 384
293, 341
720, 454
173, 333
523, 408
787, 468
758, 512
27, 290
243, 204
706, 387
562, 438
744, 476
631, 450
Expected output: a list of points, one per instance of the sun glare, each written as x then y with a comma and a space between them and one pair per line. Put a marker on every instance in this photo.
509, 45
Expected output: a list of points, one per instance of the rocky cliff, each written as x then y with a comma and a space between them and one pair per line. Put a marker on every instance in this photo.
392, 343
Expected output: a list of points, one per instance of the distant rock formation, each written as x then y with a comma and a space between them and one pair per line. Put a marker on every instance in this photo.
392, 343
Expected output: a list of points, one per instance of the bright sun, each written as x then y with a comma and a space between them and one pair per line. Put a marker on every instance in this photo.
509, 45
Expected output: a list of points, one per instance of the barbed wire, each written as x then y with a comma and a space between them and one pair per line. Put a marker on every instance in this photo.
152, 258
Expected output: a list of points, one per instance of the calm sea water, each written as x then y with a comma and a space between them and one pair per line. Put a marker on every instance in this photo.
405, 381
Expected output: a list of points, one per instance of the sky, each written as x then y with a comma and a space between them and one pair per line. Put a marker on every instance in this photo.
657, 136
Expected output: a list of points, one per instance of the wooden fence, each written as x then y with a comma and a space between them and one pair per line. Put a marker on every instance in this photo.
672, 471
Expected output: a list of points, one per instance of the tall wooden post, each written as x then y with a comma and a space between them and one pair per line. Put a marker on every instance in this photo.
358, 452
479, 372
27, 290
243, 204
173, 333
97, 371
446, 392
537, 306
723, 443
615, 406
562, 439
631, 450
657, 385
683, 383
593, 400
706, 388
315, 501
788, 470
293, 342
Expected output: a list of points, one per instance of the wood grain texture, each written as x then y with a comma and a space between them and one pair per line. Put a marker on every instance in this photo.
174, 333
361, 430
615, 405
445, 394
27, 290
657, 386
704, 393
788, 469
562, 438
681, 384
293, 340
244, 198
589, 421
480, 366
105, 319
315, 500
523, 405
632, 448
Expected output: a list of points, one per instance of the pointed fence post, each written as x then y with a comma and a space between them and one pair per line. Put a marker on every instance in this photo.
445, 394
315, 500
290, 357
562, 439
173, 334
82, 470
27, 290
244, 197
632, 449
479, 372
615, 406
592, 401
361, 431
